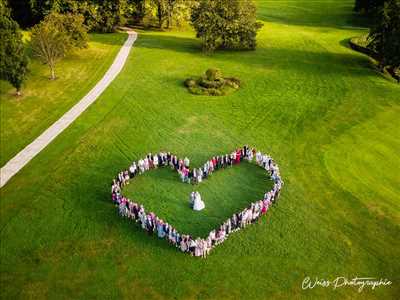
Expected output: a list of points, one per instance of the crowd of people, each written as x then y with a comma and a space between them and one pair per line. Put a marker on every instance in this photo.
196, 246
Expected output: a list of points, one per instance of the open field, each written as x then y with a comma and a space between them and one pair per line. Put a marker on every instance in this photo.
43, 102
322, 112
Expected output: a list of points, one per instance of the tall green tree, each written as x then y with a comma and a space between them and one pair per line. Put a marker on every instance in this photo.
368, 6
162, 11
55, 36
30, 12
178, 11
230, 24
384, 37
13, 59
112, 13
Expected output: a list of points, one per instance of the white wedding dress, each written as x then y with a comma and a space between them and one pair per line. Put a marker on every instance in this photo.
198, 203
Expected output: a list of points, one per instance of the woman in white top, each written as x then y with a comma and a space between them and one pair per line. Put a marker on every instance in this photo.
141, 165
186, 162
155, 161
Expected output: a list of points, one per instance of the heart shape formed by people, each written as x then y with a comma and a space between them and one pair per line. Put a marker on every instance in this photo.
186, 243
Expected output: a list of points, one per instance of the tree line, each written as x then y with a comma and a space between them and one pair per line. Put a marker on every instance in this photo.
57, 26
105, 15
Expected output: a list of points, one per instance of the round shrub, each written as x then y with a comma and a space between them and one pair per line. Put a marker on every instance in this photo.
212, 84
213, 74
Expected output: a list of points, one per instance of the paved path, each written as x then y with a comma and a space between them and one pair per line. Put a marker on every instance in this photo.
15, 164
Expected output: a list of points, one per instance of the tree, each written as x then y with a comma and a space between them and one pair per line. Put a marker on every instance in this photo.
384, 37
162, 8
368, 6
229, 24
111, 13
178, 11
30, 12
13, 59
55, 36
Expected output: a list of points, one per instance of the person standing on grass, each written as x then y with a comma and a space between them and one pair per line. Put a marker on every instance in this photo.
142, 217
141, 166
155, 161
238, 155
192, 245
160, 229
186, 162
132, 170
199, 175
146, 164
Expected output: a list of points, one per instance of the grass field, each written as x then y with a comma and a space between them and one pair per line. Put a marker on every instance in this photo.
244, 183
319, 108
44, 101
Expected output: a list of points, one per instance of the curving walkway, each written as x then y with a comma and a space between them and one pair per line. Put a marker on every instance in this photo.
14, 165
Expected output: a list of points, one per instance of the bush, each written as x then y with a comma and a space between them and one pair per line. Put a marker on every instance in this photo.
213, 74
217, 83
190, 82
212, 84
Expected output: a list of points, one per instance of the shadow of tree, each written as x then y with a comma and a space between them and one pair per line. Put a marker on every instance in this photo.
292, 59
310, 13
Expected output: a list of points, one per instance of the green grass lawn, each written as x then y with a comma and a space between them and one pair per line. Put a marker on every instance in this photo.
44, 101
326, 116
225, 192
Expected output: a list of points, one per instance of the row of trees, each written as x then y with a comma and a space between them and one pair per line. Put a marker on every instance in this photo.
368, 6
62, 25
105, 15
384, 35
219, 23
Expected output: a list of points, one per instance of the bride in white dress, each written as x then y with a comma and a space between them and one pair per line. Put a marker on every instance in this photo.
198, 203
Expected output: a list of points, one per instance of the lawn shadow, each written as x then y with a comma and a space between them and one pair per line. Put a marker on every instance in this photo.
114, 38
345, 43
291, 59
311, 14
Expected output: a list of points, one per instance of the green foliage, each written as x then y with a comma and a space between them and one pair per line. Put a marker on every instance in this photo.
106, 15
89, 10
212, 83
13, 59
361, 40
29, 12
368, 6
385, 35
112, 13
165, 13
229, 24
213, 74
55, 36
99, 15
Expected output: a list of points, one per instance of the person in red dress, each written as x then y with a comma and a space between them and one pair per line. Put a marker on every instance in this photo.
238, 155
